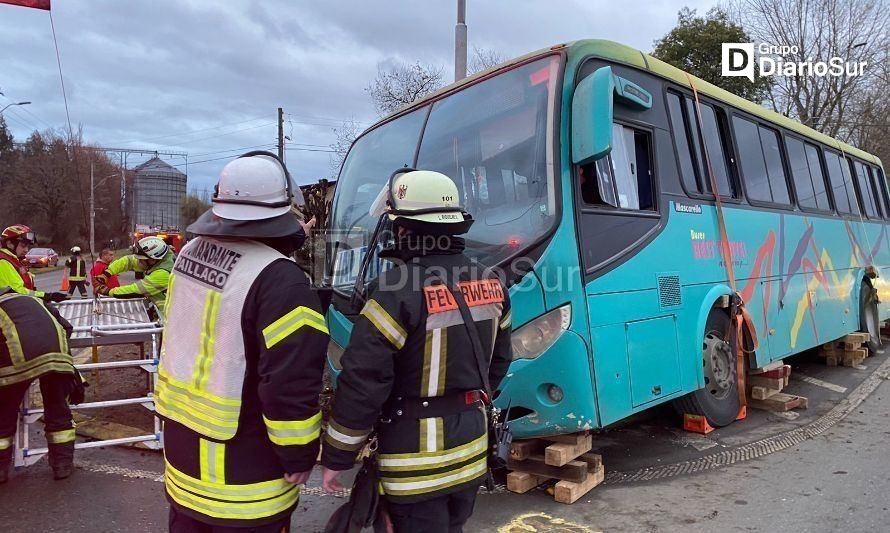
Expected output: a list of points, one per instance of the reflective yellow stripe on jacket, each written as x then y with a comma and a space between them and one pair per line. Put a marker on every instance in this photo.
202, 411
385, 323
344, 438
283, 327
293, 432
406, 474
60, 437
219, 500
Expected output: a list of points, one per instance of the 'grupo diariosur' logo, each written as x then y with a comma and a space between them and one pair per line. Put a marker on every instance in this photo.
739, 59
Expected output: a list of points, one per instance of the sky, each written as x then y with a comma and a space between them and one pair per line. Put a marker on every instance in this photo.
206, 77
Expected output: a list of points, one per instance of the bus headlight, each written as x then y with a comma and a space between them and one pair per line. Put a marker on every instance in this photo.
335, 352
532, 339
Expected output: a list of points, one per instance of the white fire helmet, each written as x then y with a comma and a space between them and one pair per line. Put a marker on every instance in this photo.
256, 186
75, 249
151, 248
421, 195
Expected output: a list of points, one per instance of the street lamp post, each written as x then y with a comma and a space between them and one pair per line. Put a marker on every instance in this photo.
460, 42
10, 105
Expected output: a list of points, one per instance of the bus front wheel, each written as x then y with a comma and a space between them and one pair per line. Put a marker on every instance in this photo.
718, 401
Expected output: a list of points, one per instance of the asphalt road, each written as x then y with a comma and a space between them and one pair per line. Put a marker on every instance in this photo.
52, 280
837, 480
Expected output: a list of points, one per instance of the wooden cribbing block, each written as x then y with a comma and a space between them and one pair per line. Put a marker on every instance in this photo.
572, 438
780, 402
768, 383
522, 482
762, 393
535, 464
593, 460
521, 450
831, 360
859, 337
560, 453
570, 492
844, 345
852, 358
779, 373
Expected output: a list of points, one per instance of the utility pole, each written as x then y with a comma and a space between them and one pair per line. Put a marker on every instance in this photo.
281, 134
460, 42
92, 213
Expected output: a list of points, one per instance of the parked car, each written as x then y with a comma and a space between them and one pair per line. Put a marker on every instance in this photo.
42, 257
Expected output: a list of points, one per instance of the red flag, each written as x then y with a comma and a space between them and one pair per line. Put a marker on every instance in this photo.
36, 4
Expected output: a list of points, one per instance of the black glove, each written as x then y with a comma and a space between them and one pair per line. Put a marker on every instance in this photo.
55, 297
78, 388
101, 279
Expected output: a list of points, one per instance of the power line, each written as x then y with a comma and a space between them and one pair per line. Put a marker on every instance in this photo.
332, 119
241, 148
26, 110
309, 150
217, 136
197, 130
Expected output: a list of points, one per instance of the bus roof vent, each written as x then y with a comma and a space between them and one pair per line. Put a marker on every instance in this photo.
669, 290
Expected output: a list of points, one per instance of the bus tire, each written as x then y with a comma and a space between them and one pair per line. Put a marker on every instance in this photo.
718, 400
869, 321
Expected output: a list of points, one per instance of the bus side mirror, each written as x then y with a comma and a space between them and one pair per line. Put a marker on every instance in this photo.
593, 112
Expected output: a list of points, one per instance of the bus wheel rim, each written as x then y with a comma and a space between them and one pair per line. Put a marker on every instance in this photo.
718, 367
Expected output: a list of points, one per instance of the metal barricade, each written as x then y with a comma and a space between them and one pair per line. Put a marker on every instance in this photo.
103, 322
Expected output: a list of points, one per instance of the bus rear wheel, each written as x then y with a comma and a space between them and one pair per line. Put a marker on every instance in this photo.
869, 321
718, 401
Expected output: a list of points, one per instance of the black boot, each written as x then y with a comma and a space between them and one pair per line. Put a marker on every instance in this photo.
5, 462
61, 459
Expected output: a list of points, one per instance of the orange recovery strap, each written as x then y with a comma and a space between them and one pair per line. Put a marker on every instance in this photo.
739, 316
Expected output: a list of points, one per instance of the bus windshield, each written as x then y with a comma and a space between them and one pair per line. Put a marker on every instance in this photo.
493, 139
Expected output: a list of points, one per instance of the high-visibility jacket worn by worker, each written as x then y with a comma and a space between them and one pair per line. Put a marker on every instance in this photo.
153, 285
34, 344
15, 276
77, 268
32, 341
239, 378
410, 342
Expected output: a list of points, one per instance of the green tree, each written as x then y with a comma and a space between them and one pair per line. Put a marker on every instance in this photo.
191, 208
695, 45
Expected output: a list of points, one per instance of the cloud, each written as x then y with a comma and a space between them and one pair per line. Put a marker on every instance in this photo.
146, 74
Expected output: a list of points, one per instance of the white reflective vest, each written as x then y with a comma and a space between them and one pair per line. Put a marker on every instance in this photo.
203, 365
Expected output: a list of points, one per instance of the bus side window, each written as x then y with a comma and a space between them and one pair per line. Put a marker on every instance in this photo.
761, 161
624, 178
881, 185
806, 170
864, 189
715, 142
680, 134
843, 200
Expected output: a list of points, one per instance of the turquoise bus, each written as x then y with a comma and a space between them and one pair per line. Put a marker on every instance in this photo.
590, 169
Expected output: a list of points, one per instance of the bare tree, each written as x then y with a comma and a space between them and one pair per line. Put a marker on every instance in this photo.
854, 30
344, 135
872, 118
403, 84
484, 59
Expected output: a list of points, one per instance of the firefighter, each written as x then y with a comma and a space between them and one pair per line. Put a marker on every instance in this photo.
77, 272
410, 364
152, 257
15, 241
34, 345
242, 359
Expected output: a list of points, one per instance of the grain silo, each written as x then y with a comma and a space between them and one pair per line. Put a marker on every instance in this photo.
158, 190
